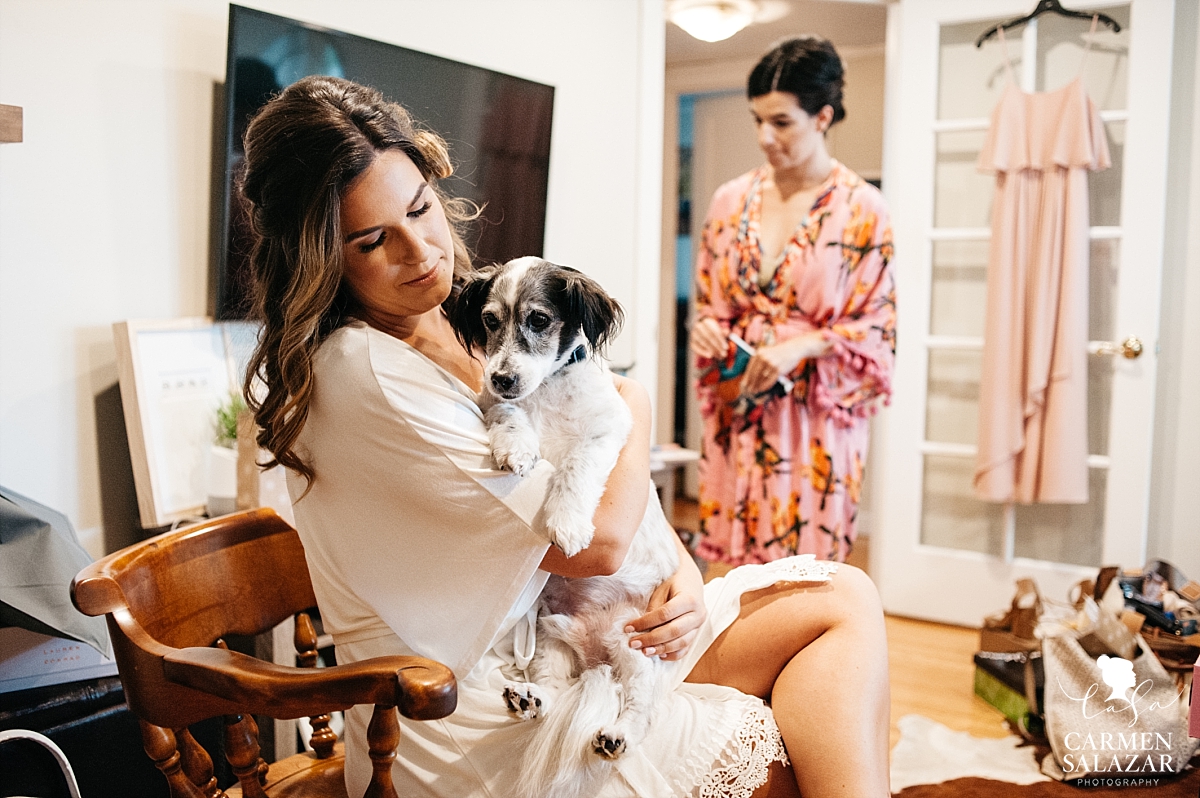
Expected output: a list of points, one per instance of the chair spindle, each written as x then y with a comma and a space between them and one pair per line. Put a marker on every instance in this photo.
383, 735
305, 640
197, 764
241, 749
160, 746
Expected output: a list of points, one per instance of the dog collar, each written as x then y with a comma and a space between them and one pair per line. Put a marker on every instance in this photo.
579, 354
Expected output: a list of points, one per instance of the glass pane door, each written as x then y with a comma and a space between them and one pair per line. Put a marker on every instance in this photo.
942, 89
970, 83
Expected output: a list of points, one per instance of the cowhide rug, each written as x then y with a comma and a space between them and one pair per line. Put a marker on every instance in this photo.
933, 761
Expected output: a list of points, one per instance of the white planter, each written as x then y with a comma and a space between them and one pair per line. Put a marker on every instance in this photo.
222, 481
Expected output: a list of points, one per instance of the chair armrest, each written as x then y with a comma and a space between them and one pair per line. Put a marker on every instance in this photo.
420, 688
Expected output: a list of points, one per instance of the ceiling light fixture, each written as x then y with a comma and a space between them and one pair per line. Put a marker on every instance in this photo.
712, 20
715, 20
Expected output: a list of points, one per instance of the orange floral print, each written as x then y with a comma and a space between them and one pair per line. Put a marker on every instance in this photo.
783, 473
820, 469
853, 479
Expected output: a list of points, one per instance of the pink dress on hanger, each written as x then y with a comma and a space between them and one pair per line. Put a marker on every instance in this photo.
1033, 395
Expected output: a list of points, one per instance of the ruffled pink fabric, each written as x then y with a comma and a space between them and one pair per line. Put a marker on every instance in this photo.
847, 381
1043, 130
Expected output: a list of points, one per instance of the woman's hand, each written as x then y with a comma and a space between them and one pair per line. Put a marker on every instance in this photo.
769, 362
675, 613
708, 339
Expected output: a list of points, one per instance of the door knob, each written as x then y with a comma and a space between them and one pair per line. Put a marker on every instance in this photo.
1130, 348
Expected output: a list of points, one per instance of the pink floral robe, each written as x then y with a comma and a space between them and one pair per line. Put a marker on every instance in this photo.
783, 475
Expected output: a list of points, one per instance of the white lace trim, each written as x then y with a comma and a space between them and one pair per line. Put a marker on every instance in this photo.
744, 763
802, 568
745, 578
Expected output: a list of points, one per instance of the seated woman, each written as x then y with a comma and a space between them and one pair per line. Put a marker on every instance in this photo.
417, 545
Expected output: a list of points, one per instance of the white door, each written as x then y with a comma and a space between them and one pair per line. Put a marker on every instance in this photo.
940, 553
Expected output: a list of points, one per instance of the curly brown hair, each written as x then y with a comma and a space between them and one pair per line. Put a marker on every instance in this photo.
304, 148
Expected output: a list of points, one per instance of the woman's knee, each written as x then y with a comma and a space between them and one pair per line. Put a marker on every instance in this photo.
856, 593
802, 613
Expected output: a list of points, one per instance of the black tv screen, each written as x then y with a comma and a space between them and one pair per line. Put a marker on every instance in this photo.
497, 127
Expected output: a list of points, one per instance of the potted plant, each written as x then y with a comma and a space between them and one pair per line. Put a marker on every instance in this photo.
223, 458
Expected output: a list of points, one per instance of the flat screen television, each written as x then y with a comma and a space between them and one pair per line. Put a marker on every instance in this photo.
497, 127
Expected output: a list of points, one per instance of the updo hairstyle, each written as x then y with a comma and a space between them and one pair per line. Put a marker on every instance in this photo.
807, 67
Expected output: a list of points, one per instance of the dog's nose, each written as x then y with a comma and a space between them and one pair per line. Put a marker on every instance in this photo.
503, 382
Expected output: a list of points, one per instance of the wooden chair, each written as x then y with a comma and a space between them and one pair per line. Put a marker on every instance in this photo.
170, 599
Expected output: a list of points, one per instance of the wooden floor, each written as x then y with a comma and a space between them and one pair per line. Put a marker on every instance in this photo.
931, 669
933, 675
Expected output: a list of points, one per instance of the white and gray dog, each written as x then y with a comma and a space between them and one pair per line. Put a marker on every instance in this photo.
548, 394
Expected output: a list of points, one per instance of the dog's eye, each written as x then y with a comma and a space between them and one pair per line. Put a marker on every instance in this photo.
537, 321
490, 321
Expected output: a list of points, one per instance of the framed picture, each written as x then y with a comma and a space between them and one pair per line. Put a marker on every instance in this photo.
174, 376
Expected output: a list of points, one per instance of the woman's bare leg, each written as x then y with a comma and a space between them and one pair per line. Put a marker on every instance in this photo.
818, 652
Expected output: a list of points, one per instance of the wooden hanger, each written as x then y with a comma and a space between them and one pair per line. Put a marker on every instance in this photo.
1043, 7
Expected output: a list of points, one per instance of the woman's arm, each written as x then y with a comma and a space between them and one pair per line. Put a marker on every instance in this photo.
709, 336
852, 354
624, 502
674, 614
858, 368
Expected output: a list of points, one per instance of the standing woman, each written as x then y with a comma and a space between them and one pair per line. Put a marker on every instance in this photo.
794, 260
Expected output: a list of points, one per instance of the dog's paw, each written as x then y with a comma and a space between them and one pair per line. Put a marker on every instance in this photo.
569, 529
609, 744
523, 700
515, 459
511, 437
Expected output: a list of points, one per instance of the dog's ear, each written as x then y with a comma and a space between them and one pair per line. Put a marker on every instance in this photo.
466, 311
600, 316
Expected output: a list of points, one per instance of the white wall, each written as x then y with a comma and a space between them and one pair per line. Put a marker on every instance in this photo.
1175, 497
104, 208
